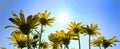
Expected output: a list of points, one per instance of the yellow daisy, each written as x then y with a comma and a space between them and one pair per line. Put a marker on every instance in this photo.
44, 45
44, 18
65, 37
91, 30
22, 24
75, 28
110, 42
98, 41
19, 39
56, 40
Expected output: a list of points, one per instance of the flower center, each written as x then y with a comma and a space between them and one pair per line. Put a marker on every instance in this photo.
21, 43
90, 31
25, 29
76, 30
105, 43
43, 21
66, 40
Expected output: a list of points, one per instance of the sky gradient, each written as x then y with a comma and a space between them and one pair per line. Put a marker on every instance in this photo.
105, 13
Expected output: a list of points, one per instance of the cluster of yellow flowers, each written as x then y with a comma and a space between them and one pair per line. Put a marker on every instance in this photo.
26, 27
101, 41
59, 38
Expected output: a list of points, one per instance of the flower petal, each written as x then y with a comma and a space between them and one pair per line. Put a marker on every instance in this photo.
11, 27
34, 20
16, 17
14, 21
22, 17
29, 18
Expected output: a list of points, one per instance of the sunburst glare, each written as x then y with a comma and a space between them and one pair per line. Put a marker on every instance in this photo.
63, 17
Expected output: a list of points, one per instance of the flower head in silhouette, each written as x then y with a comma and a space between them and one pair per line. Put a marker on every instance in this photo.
65, 37
91, 30
110, 42
75, 28
55, 39
22, 24
19, 39
44, 45
44, 18
98, 41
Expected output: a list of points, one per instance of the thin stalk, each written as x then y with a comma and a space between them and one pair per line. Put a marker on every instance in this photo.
21, 47
67, 47
40, 35
99, 47
104, 48
61, 46
89, 42
79, 42
28, 41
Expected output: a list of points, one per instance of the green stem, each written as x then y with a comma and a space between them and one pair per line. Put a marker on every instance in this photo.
67, 47
104, 48
40, 35
28, 41
79, 42
54, 47
61, 46
21, 47
89, 42
99, 47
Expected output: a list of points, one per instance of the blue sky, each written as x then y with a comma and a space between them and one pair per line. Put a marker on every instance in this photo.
105, 13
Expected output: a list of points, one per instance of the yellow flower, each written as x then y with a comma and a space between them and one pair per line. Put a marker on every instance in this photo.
19, 39
65, 37
110, 42
22, 24
57, 40
75, 28
91, 30
44, 45
44, 18
98, 41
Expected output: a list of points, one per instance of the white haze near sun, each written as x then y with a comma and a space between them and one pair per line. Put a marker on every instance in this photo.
63, 17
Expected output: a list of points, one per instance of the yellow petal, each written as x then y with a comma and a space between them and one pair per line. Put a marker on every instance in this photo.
74, 38
34, 20
45, 13
11, 27
22, 17
16, 17
14, 21
13, 39
91, 26
39, 15
48, 14
29, 19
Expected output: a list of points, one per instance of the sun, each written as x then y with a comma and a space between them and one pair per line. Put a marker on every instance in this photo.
63, 17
